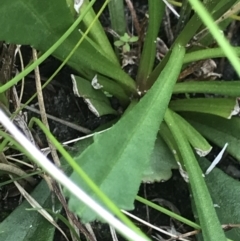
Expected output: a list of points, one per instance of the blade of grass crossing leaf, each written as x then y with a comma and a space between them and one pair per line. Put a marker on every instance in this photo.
47, 53
76, 167
47, 30
130, 231
211, 227
97, 61
215, 31
22, 74
117, 158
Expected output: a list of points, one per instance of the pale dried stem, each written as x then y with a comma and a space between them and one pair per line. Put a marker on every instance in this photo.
42, 109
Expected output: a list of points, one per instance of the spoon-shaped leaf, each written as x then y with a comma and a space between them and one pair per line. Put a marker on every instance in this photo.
117, 158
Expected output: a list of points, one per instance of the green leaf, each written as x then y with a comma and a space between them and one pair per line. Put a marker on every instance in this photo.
207, 54
218, 130
41, 24
225, 107
197, 141
185, 14
201, 196
126, 48
230, 89
156, 11
22, 225
118, 43
118, 21
96, 100
117, 16
224, 191
170, 141
118, 157
125, 38
161, 163
133, 39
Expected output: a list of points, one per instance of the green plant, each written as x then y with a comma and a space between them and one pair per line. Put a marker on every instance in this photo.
125, 41
123, 155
